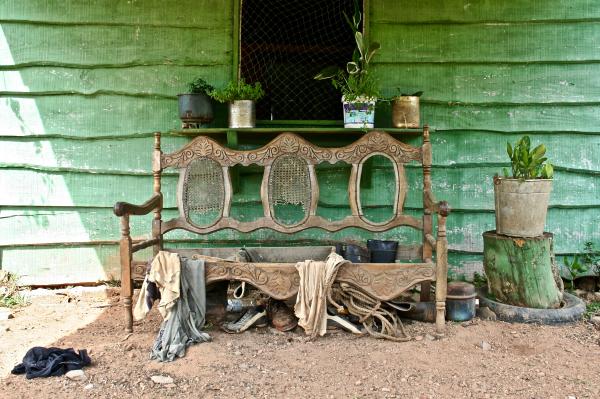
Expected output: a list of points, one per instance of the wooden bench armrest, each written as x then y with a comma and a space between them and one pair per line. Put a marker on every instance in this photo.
125, 208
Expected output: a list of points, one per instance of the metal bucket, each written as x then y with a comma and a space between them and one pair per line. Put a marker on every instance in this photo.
521, 206
460, 301
242, 114
195, 108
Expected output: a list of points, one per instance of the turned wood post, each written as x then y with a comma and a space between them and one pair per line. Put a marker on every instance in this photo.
427, 216
156, 173
441, 272
126, 283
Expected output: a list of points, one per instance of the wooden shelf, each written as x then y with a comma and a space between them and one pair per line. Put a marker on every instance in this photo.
302, 130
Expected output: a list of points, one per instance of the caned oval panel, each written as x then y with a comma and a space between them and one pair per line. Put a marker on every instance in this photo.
203, 192
377, 188
290, 190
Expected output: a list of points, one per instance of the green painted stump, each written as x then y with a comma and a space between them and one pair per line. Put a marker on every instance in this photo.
519, 270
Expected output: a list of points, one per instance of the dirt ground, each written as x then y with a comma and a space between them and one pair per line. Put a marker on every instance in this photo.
522, 361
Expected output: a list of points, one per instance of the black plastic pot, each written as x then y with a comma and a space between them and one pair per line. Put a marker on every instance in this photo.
353, 253
382, 251
195, 108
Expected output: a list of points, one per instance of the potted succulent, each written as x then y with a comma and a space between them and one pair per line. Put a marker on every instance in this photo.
405, 110
241, 97
357, 83
195, 107
521, 199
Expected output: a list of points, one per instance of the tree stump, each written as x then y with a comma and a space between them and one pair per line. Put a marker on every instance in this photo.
519, 270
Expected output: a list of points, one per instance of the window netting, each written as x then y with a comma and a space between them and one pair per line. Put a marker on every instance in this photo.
284, 44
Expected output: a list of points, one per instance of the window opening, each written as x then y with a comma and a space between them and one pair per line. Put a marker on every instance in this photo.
284, 44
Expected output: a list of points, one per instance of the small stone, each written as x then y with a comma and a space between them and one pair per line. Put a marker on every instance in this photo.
243, 366
386, 390
88, 387
357, 383
6, 314
429, 337
403, 379
419, 338
485, 346
595, 320
75, 375
161, 379
571, 397
128, 347
485, 313
237, 353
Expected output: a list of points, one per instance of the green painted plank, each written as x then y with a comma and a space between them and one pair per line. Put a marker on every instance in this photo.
164, 80
473, 83
566, 150
467, 188
487, 42
512, 118
424, 11
65, 265
571, 227
188, 13
126, 45
87, 115
132, 155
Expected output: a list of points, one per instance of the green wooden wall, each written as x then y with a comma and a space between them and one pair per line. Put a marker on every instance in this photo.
84, 84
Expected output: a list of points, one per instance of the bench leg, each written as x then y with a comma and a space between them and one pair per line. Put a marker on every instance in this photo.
126, 283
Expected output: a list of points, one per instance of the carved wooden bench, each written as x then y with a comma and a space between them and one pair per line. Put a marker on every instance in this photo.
289, 161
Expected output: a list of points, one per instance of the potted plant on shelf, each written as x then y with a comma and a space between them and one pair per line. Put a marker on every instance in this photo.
241, 97
358, 84
406, 110
521, 200
195, 107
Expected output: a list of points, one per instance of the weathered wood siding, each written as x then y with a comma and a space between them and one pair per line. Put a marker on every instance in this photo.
82, 87
84, 84
492, 71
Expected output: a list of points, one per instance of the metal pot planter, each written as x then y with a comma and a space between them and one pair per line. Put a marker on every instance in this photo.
359, 113
405, 112
521, 206
242, 113
195, 108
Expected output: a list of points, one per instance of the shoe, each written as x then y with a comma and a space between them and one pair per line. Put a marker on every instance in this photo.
282, 317
253, 317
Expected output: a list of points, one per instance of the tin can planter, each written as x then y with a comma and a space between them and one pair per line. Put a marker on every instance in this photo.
406, 112
195, 108
359, 113
521, 206
460, 301
242, 113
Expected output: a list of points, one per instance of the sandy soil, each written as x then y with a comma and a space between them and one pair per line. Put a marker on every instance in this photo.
524, 361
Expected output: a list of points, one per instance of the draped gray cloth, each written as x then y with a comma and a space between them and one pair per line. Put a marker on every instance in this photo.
184, 325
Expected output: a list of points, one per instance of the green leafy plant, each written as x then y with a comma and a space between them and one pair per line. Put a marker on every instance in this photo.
199, 86
239, 90
592, 309
10, 297
356, 80
574, 267
591, 257
527, 163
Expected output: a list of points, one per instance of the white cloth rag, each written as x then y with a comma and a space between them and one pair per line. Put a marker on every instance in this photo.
316, 278
165, 272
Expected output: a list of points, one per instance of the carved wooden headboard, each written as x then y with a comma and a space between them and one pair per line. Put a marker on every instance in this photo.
205, 184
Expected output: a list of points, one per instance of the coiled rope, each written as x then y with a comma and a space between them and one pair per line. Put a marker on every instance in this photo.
369, 311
